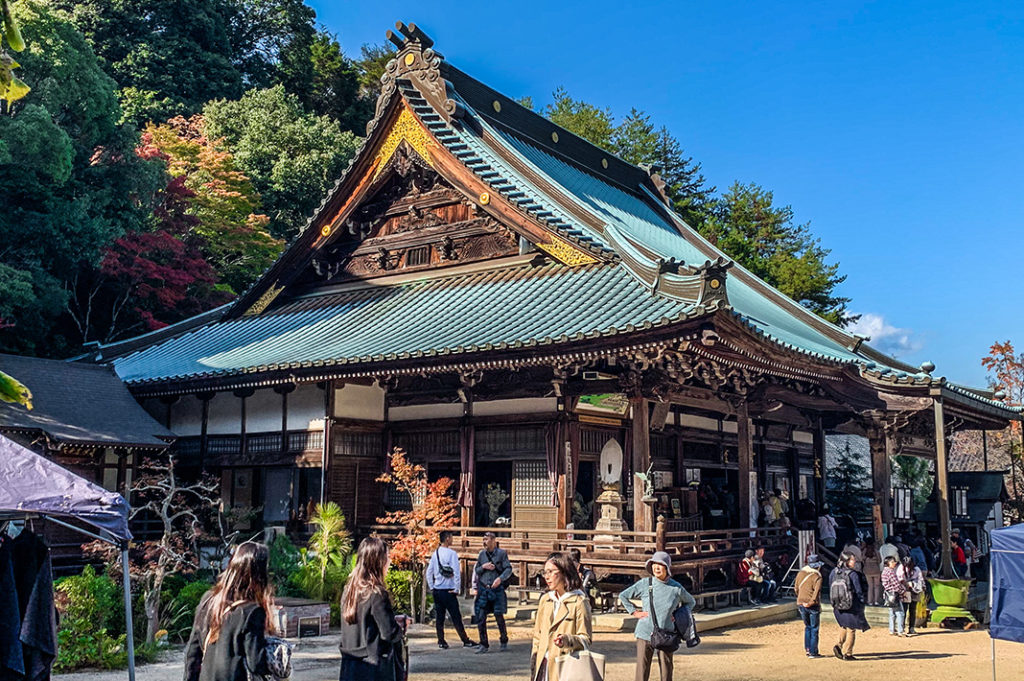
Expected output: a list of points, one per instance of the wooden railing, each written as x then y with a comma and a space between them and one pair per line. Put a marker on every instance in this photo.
529, 547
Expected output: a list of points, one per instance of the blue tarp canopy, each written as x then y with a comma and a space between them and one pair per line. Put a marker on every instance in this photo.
33, 485
1008, 584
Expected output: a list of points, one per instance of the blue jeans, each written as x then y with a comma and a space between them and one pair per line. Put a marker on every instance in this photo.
768, 589
897, 616
811, 618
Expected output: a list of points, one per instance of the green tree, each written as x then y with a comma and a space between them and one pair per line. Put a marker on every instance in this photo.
170, 57
324, 564
335, 88
371, 64
749, 227
592, 123
292, 157
915, 473
232, 231
846, 490
69, 182
637, 140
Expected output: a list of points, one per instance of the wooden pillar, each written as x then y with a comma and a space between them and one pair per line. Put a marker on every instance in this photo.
881, 475
468, 436
747, 476
641, 438
243, 394
942, 487
325, 456
204, 436
818, 446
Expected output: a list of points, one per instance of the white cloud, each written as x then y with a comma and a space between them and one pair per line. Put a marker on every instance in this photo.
886, 337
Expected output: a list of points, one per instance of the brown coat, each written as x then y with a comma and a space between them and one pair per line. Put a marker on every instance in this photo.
808, 586
573, 619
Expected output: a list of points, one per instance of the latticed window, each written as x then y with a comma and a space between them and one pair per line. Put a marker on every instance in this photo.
431, 445
357, 444
532, 487
510, 441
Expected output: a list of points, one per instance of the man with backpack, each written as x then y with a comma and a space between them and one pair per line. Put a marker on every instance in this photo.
493, 574
846, 592
443, 579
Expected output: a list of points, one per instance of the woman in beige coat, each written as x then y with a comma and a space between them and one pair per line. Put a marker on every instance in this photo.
563, 618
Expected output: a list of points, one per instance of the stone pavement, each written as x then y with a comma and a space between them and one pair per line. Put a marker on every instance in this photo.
771, 651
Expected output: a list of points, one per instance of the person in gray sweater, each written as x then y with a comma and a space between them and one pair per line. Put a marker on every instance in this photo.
668, 595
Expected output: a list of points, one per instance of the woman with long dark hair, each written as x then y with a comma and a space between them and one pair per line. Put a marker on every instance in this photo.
228, 639
563, 617
370, 630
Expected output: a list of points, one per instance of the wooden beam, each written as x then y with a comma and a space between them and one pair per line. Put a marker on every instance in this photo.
748, 486
942, 488
881, 475
641, 437
818, 447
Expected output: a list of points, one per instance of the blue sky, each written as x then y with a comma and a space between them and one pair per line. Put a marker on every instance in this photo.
894, 128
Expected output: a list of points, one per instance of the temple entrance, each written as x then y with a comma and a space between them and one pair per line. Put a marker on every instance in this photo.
493, 493
583, 509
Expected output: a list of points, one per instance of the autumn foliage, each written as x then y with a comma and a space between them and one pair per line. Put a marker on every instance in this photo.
433, 509
1006, 373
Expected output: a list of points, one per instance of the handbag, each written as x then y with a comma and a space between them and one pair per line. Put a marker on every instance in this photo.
580, 665
891, 599
279, 660
661, 639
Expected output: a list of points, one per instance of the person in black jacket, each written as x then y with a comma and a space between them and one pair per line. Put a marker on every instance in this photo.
371, 633
228, 639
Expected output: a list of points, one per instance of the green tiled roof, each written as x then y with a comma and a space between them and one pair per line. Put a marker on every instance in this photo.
524, 305
484, 310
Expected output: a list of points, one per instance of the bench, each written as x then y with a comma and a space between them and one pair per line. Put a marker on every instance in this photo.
732, 596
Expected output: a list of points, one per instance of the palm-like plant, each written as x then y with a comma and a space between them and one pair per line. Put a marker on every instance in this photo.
324, 565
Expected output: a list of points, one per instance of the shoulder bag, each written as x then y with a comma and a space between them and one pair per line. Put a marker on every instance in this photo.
661, 639
580, 665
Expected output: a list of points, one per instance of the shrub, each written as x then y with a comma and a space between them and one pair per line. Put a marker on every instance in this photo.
179, 611
398, 583
86, 603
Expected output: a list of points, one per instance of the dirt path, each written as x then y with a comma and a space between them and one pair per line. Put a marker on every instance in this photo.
771, 653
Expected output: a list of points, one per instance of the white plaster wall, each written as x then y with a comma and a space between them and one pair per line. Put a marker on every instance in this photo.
187, 416
225, 415
703, 422
425, 411
263, 412
525, 405
365, 402
801, 436
306, 408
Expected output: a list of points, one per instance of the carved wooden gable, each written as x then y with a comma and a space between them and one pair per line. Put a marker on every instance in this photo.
415, 221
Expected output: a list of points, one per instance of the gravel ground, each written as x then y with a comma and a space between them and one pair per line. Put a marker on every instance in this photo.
772, 652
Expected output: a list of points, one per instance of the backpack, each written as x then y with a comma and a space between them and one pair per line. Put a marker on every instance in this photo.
840, 591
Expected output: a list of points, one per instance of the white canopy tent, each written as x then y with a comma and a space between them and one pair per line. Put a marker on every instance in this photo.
35, 487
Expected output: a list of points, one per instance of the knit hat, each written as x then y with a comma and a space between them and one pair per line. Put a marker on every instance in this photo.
814, 560
662, 558
749, 553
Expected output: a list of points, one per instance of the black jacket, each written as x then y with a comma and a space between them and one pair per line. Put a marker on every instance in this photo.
374, 635
240, 648
502, 568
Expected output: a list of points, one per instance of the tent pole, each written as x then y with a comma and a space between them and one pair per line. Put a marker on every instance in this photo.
991, 593
128, 612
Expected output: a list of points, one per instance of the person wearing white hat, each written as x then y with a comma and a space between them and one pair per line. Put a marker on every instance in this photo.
661, 595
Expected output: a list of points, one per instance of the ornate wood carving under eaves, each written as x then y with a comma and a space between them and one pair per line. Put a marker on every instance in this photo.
415, 220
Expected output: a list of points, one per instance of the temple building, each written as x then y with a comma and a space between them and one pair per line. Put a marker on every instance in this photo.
506, 301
